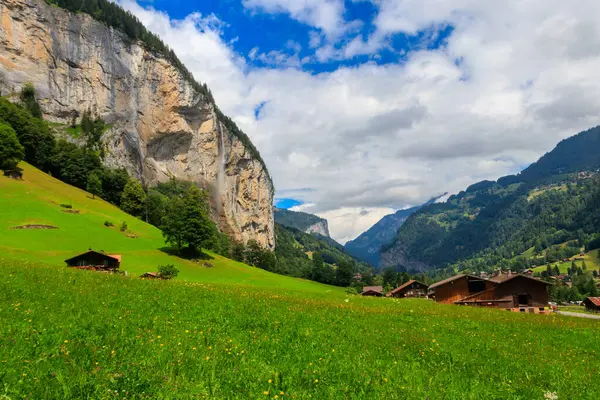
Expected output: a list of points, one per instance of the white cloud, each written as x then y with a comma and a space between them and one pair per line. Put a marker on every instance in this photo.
326, 15
514, 78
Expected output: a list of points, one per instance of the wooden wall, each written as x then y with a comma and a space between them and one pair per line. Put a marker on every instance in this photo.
537, 291
455, 290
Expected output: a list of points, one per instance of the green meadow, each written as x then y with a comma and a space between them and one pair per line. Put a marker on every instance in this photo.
236, 332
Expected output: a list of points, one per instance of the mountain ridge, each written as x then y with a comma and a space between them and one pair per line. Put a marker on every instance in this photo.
490, 223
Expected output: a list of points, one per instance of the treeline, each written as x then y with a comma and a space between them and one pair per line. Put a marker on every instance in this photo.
307, 256
69, 162
479, 231
578, 283
115, 16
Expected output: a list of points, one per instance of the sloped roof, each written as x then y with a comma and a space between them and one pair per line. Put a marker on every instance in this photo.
594, 300
116, 256
82, 255
507, 277
378, 289
440, 283
399, 288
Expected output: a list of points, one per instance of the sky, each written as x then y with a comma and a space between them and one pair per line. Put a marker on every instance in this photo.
364, 107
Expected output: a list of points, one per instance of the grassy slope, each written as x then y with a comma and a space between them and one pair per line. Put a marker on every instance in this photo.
591, 261
75, 334
37, 199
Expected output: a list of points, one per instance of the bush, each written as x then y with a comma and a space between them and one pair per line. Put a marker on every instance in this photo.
351, 290
67, 206
167, 271
123, 227
108, 224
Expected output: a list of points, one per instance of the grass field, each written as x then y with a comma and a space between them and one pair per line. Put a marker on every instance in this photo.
38, 199
77, 334
236, 332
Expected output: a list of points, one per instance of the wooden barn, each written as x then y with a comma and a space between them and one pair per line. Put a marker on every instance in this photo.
95, 260
16, 173
411, 288
373, 291
458, 287
592, 304
510, 291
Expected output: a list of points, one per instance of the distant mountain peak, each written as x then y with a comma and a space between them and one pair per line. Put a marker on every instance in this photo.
302, 221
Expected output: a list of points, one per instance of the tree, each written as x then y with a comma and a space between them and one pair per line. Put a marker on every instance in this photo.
238, 251
173, 223
389, 277
94, 185
11, 151
167, 271
344, 274
29, 100
133, 199
156, 208
199, 228
317, 269
556, 270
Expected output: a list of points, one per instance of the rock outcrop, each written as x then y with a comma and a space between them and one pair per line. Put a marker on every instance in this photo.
161, 127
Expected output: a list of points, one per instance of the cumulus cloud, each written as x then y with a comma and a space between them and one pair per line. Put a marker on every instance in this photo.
512, 80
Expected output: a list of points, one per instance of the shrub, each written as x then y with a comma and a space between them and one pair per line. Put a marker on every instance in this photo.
108, 224
351, 290
67, 206
167, 271
124, 227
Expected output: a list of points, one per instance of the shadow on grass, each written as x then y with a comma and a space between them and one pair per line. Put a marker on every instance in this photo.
186, 254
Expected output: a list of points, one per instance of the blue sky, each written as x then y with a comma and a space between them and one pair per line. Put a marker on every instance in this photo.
249, 29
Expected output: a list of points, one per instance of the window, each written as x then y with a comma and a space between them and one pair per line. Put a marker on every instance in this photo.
523, 299
476, 286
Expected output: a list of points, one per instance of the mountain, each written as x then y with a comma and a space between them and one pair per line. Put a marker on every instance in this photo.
161, 123
304, 222
367, 246
554, 201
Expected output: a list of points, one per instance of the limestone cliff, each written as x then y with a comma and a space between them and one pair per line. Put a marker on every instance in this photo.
161, 127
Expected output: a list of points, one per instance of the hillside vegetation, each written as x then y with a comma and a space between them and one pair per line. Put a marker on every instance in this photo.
37, 200
553, 201
76, 334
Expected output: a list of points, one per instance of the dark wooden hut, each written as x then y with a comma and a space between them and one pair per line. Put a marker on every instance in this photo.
411, 288
16, 174
95, 260
373, 291
592, 304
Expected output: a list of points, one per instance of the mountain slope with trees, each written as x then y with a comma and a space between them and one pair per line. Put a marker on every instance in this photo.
305, 222
553, 201
368, 245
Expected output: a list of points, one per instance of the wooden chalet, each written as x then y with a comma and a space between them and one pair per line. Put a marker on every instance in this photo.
411, 288
373, 291
458, 287
94, 260
511, 291
592, 304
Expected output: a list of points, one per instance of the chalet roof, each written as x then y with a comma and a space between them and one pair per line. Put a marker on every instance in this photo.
456, 277
116, 256
407, 284
594, 300
153, 274
92, 252
378, 289
508, 277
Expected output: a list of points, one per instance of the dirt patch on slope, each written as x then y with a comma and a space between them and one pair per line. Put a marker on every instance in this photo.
35, 226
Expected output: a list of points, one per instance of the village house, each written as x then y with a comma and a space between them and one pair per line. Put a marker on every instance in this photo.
373, 291
94, 260
458, 287
508, 291
592, 304
411, 288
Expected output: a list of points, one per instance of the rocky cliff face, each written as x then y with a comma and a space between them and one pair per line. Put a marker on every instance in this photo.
160, 126
321, 228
